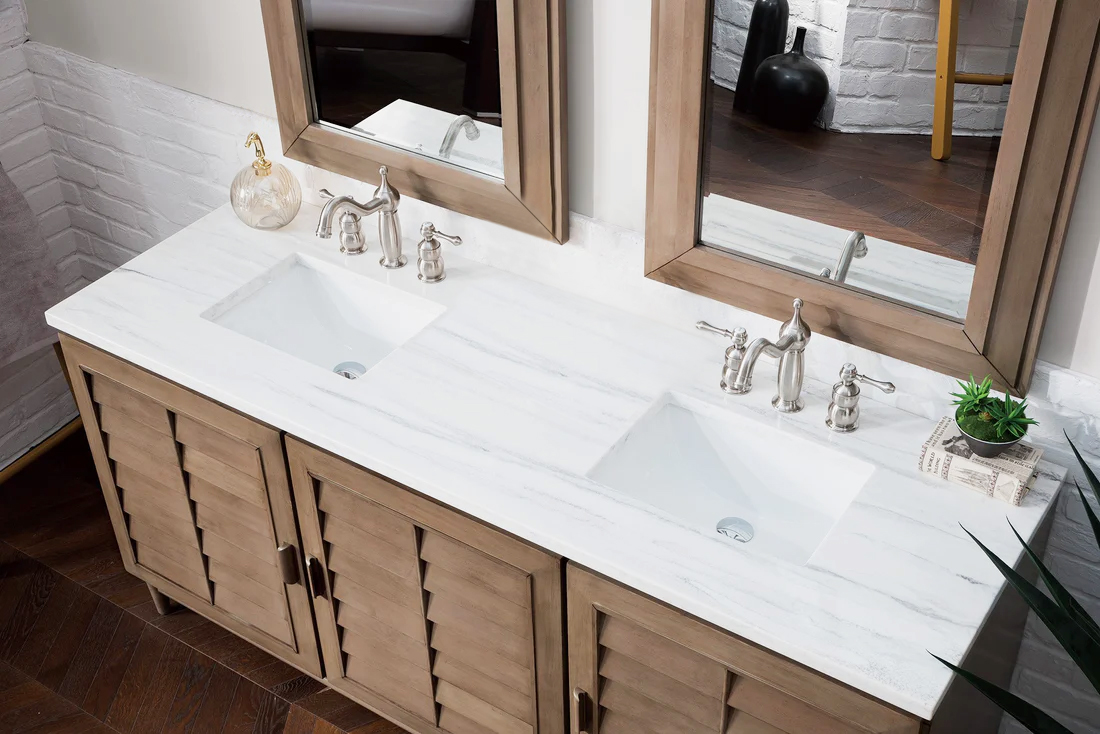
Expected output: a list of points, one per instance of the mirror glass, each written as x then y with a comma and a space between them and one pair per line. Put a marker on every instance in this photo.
830, 149
420, 75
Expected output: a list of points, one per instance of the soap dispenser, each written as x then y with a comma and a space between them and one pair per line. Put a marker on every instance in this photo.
265, 195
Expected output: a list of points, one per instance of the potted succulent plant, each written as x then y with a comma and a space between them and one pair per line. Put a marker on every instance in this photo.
988, 423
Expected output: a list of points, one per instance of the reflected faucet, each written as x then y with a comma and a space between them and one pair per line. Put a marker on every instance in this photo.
385, 202
854, 247
462, 122
789, 348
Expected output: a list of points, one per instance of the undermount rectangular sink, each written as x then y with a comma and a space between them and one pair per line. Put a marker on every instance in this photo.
333, 318
773, 492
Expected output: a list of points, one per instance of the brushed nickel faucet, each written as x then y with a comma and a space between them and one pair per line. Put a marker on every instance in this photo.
843, 415
854, 247
385, 203
789, 348
462, 122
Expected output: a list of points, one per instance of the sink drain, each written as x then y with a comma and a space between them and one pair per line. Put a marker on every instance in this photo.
736, 528
350, 370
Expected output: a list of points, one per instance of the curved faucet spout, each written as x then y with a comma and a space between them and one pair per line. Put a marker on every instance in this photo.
462, 122
742, 382
854, 247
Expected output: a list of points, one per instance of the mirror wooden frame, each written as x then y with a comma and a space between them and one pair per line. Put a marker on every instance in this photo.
531, 198
1046, 133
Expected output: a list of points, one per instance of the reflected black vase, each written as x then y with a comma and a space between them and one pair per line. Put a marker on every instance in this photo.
767, 36
790, 89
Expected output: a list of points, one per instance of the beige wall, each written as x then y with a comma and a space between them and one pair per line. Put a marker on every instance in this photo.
210, 47
216, 48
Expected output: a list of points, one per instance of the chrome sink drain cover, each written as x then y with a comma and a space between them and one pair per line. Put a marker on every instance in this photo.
735, 527
350, 370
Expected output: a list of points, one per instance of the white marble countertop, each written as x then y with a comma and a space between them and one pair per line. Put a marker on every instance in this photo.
502, 405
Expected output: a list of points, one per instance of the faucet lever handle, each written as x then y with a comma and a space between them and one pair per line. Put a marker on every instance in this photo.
739, 335
326, 194
886, 387
849, 374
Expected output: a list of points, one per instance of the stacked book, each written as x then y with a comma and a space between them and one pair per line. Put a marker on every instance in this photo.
1007, 477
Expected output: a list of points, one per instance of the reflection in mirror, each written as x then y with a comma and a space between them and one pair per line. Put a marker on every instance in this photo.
831, 149
420, 75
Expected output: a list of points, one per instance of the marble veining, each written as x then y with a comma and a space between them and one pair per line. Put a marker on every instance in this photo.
503, 404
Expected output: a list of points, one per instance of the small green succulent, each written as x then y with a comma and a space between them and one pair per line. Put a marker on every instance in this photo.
975, 397
1009, 418
989, 418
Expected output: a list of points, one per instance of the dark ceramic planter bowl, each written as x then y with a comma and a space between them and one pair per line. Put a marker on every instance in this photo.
986, 449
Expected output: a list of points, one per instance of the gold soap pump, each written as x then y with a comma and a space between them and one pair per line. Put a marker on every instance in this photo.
265, 195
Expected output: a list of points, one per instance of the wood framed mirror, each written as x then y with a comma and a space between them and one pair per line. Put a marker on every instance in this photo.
463, 101
756, 203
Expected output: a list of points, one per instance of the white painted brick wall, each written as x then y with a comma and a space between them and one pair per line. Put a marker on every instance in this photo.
880, 56
34, 399
887, 77
824, 22
162, 158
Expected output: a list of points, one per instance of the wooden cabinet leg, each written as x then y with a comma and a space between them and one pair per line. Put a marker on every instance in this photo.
163, 604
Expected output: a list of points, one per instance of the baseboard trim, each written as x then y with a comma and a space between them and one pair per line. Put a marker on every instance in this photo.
26, 459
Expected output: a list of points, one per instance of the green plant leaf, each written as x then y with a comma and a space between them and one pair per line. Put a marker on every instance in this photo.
1075, 640
1089, 474
1093, 520
1061, 595
1030, 716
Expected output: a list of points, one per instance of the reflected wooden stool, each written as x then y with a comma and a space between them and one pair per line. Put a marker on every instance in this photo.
946, 77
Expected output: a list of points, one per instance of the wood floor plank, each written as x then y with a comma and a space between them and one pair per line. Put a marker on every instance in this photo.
161, 691
245, 708
91, 652
35, 596
189, 695
299, 721
135, 683
272, 715
46, 627
108, 678
215, 702
56, 663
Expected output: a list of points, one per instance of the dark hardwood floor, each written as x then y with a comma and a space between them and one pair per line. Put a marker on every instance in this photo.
83, 650
888, 186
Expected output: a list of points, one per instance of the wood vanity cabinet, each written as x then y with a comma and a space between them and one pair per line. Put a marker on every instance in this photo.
637, 666
430, 618
199, 500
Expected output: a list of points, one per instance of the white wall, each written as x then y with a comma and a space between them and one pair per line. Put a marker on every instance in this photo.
34, 398
1071, 337
214, 48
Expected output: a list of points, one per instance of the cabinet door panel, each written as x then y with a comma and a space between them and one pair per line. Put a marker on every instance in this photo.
636, 665
368, 654
199, 500
464, 618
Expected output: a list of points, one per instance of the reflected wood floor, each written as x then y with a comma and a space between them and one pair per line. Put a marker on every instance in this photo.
888, 186
83, 650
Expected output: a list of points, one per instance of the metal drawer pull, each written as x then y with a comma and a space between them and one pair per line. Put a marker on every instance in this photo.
288, 563
581, 710
316, 573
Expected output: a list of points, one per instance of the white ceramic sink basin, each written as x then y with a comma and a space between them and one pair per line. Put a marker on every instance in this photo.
326, 315
703, 465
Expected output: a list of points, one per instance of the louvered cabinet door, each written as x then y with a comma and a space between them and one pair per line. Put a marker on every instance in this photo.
428, 617
199, 500
639, 667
